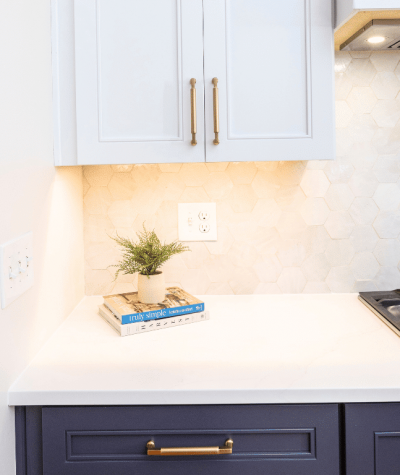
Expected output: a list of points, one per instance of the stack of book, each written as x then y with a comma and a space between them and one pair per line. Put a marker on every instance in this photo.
128, 316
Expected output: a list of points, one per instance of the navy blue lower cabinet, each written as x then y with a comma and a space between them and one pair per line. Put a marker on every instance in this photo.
372, 439
267, 439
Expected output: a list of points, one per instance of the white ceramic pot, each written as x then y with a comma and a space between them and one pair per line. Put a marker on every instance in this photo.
151, 288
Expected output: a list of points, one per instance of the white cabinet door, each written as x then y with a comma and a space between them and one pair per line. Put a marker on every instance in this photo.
134, 60
274, 64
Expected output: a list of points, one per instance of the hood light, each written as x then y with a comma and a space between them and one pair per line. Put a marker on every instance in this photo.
376, 39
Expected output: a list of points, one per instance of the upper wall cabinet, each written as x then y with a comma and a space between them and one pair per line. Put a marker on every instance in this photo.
191, 80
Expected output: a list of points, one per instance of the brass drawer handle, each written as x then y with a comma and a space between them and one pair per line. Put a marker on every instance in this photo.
193, 111
216, 111
226, 449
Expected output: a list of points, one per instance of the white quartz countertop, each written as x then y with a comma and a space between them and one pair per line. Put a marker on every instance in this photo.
254, 349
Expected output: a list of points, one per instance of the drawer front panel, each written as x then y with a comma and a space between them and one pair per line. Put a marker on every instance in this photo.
373, 439
267, 439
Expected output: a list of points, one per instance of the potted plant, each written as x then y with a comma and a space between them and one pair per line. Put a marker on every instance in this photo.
146, 257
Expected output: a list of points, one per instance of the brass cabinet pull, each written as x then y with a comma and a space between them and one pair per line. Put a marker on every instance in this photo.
216, 111
193, 113
226, 449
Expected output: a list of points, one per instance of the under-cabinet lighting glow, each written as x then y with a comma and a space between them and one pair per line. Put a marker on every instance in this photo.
376, 39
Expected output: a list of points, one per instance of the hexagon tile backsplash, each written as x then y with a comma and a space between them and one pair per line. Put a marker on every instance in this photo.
283, 227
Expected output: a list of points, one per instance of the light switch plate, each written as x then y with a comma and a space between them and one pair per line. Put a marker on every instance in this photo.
197, 222
16, 264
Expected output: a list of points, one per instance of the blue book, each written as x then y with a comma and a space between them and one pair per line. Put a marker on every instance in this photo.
127, 307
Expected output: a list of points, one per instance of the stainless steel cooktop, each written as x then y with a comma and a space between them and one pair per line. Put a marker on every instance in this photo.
386, 305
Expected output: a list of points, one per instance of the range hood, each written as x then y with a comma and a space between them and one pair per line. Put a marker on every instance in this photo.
357, 21
376, 35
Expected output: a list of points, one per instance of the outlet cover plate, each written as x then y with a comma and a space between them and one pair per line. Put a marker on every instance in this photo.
16, 256
189, 221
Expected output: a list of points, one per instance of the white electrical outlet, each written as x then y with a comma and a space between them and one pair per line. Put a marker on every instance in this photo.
197, 221
16, 265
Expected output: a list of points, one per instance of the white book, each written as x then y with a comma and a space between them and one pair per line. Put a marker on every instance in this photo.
142, 327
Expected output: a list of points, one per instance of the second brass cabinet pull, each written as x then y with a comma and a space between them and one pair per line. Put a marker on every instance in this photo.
216, 111
226, 449
193, 111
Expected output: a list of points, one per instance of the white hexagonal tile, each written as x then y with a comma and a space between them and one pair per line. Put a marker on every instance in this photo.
340, 252
98, 200
364, 286
360, 54
291, 253
387, 252
265, 184
361, 100
385, 60
344, 142
98, 282
85, 185
197, 255
364, 266
219, 268
314, 211
218, 186
97, 228
386, 112
363, 183
194, 174
363, 210
339, 170
290, 173
387, 196
242, 254
102, 255
264, 288
122, 186
217, 167
385, 85
315, 239
170, 167
343, 114
340, 279
224, 242
219, 288
363, 155
122, 168
342, 86
339, 224
242, 198
342, 60
266, 213
241, 173
195, 281
194, 194
167, 214
122, 213
316, 288
174, 269
387, 224
387, 140
361, 72
339, 197
362, 127
290, 198
387, 278
243, 281
291, 280
169, 186
290, 225
267, 242
314, 183
268, 269
364, 238
146, 200
98, 175
316, 267
145, 173
387, 169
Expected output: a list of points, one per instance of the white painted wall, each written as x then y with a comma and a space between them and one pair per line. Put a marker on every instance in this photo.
33, 196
